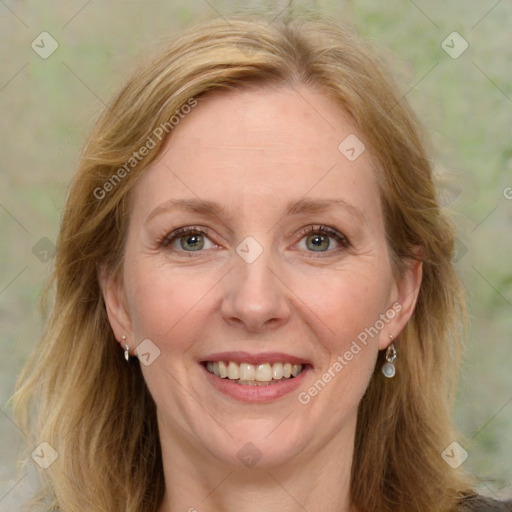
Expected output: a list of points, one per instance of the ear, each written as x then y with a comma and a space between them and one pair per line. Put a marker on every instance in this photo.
116, 305
403, 299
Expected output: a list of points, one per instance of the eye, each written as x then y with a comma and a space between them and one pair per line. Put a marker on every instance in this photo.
188, 239
319, 239
314, 239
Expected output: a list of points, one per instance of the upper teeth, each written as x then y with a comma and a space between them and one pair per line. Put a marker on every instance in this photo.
264, 372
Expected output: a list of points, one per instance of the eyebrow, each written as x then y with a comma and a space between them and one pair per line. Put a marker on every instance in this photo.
317, 205
200, 206
210, 208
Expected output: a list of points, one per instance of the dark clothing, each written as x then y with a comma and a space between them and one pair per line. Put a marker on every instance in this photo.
483, 504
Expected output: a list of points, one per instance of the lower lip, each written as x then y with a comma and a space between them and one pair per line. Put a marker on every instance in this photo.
256, 394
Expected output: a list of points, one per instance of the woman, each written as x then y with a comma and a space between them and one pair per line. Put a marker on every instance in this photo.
255, 303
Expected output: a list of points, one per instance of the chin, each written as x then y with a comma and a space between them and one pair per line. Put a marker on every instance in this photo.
258, 443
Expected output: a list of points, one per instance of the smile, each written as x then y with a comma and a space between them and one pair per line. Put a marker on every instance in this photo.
255, 378
253, 374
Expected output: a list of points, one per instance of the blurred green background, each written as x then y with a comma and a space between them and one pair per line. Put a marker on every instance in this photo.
48, 106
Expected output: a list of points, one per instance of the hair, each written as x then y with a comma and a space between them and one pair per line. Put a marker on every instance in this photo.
77, 393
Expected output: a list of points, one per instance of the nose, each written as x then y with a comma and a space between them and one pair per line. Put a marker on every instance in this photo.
255, 296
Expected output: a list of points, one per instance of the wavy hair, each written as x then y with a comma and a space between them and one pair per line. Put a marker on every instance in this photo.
77, 394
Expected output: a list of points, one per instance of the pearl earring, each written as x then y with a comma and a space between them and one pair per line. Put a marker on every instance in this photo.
388, 369
126, 349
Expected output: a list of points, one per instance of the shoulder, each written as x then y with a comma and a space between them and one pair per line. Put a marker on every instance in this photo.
478, 503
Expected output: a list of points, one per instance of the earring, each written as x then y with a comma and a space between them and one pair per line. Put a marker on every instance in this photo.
126, 349
388, 369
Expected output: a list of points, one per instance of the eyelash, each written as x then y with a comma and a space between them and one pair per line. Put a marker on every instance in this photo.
324, 230
318, 229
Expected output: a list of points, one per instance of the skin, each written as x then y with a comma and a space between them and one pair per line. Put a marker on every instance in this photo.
254, 151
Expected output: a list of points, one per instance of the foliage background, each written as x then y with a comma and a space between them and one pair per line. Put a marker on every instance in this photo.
48, 105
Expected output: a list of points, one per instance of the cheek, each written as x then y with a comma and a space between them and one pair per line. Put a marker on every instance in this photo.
165, 303
348, 306
347, 302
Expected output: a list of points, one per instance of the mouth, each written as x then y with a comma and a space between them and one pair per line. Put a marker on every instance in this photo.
255, 378
247, 374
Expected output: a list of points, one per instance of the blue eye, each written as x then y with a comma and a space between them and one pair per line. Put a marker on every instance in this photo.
318, 238
188, 239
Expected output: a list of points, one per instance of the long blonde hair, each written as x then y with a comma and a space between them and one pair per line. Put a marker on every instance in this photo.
96, 411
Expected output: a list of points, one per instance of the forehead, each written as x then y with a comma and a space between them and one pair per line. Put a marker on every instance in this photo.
262, 147
265, 122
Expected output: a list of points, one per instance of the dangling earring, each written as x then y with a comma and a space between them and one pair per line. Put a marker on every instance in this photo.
126, 349
388, 369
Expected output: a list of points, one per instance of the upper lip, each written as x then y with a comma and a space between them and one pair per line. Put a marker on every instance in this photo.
260, 358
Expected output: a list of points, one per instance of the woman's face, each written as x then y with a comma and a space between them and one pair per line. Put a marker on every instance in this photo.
284, 262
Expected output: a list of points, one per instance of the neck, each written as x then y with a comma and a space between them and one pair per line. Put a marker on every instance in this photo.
315, 480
